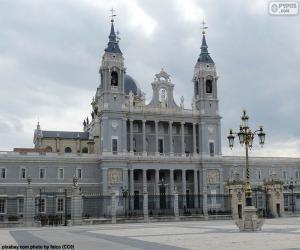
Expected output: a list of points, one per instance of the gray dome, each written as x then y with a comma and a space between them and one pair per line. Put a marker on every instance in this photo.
131, 85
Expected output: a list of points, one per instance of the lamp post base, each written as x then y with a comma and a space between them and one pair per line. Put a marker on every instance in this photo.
250, 221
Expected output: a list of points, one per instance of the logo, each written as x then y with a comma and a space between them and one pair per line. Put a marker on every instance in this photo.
284, 8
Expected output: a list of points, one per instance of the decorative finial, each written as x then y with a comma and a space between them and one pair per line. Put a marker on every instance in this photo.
112, 15
203, 27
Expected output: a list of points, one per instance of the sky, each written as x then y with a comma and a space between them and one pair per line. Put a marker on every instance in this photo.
50, 53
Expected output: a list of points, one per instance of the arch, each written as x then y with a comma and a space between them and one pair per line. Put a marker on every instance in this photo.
68, 150
208, 86
114, 78
49, 149
85, 150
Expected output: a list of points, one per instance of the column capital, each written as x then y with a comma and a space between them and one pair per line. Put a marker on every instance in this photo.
144, 121
156, 122
182, 123
171, 122
131, 120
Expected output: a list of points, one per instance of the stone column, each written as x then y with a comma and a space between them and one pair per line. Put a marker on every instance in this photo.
157, 193
125, 179
145, 180
113, 208
76, 203
194, 140
124, 135
171, 138
171, 181
131, 189
145, 204
182, 138
274, 190
131, 135
176, 207
104, 181
144, 137
29, 205
184, 187
204, 193
156, 137
196, 190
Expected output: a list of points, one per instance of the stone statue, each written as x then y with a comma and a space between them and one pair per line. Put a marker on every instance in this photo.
93, 114
131, 97
84, 123
75, 182
87, 121
182, 102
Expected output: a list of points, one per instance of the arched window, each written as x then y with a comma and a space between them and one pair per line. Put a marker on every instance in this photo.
68, 150
49, 149
114, 78
208, 86
134, 145
85, 150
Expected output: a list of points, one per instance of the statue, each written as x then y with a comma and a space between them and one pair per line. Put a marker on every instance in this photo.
182, 102
84, 123
96, 110
93, 114
87, 121
75, 182
131, 97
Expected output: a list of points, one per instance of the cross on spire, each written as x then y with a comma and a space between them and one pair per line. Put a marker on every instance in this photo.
112, 14
203, 27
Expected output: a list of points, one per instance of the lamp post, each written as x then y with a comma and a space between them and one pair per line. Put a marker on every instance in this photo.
163, 186
125, 193
291, 187
246, 137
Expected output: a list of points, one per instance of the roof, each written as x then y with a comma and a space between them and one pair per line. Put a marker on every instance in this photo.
65, 134
204, 56
113, 44
131, 85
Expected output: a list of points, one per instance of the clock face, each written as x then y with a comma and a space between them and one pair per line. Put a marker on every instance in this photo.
163, 96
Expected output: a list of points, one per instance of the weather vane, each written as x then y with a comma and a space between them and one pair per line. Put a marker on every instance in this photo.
112, 14
203, 27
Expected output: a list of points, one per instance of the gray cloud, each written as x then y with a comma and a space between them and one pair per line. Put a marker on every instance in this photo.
50, 52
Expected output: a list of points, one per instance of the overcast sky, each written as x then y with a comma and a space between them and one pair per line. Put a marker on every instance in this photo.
50, 54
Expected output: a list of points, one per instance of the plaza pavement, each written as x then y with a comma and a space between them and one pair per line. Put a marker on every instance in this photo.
283, 234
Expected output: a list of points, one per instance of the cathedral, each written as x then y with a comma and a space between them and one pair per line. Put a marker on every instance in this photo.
129, 148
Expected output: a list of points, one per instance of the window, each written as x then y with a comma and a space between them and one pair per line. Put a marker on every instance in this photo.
3, 173
175, 176
85, 150
211, 149
134, 145
297, 175
68, 150
60, 173
114, 144
23, 173
79, 173
20, 206
136, 176
42, 173
208, 86
259, 174
2, 206
114, 78
148, 176
42, 205
160, 146
60, 205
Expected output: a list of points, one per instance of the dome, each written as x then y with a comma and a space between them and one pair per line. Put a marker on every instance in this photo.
131, 85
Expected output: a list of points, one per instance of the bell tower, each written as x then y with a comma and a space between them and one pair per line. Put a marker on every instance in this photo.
206, 101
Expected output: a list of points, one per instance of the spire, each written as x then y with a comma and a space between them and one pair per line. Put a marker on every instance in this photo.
204, 56
113, 44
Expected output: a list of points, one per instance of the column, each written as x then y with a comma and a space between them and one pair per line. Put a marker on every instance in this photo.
131, 189
205, 212
171, 181
171, 138
196, 190
182, 138
76, 203
176, 207
194, 139
184, 186
113, 208
145, 188
156, 137
125, 179
124, 135
145, 206
104, 181
200, 139
157, 193
131, 135
144, 137
29, 203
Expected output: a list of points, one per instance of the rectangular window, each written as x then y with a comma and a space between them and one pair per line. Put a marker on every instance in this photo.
259, 174
297, 175
2, 206
60, 173
79, 173
42, 174
114, 144
23, 173
211, 149
148, 176
136, 176
60, 204
42, 205
20, 206
3, 173
286, 201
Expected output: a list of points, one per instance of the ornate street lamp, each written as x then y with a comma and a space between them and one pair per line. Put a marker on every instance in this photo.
292, 187
246, 137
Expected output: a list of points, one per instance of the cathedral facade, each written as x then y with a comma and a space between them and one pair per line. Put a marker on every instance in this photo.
128, 146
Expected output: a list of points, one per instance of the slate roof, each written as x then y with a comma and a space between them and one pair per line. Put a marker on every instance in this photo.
65, 134
204, 56
113, 44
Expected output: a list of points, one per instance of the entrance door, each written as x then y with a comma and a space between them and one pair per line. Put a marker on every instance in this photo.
161, 146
